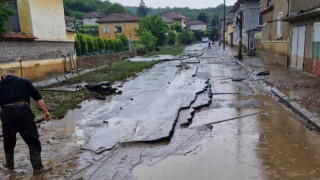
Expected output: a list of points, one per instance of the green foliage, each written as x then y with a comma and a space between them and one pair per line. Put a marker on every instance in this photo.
156, 26
214, 33
5, 14
177, 27
92, 30
142, 10
171, 37
148, 40
203, 17
77, 8
90, 45
215, 21
124, 40
187, 37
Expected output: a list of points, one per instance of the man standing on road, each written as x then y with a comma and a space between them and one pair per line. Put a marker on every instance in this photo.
17, 117
209, 44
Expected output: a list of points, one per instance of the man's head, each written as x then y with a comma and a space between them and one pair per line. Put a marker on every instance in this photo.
8, 72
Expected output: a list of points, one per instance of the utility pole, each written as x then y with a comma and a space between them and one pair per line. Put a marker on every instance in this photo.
240, 31
224, 24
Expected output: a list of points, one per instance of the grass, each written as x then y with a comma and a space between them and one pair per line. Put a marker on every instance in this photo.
167, 50
61, 101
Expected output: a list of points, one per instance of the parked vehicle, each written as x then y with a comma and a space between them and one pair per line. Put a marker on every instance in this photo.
205, 40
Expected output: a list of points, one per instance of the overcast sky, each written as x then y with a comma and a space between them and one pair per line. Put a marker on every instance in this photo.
199, 4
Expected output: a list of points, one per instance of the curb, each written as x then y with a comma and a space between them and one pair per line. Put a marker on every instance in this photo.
307, 115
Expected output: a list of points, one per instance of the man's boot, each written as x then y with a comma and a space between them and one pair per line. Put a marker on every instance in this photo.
9, 164
37, 164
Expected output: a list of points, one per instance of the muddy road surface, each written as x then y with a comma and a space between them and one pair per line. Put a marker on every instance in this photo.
200, 116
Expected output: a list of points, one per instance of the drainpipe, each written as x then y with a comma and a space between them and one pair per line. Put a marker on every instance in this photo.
65, 63
288, 7
21, 73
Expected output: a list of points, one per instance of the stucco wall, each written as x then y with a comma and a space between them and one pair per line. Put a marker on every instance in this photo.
37, 70
198, 27
47, 17
90, 21
127, 29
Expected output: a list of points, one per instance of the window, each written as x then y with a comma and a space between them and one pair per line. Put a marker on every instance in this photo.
280, 25
14, 21
260, 19
269, 3
118, 29
106, 30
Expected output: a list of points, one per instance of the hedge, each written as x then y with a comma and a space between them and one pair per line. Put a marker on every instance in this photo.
89, 45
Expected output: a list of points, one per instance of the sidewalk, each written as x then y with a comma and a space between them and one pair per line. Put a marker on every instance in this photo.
298, 86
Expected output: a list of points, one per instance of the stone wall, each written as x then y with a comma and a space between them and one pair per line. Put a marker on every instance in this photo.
11, 51
297, 5
90, 62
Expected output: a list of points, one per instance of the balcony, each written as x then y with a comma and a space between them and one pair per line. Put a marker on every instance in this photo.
266, 6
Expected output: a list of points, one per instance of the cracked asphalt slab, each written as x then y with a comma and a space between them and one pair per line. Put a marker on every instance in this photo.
206, 119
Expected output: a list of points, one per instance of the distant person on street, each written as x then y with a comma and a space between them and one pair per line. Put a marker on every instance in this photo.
17, 117
209, 44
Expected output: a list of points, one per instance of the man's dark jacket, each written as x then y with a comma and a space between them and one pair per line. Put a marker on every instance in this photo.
14, 89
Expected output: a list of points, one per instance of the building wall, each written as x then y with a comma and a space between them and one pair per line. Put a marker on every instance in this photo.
127, 29
70, 36
251, 14
273, 47
90, 21
297, 5
47, 19
198, 27
229, 33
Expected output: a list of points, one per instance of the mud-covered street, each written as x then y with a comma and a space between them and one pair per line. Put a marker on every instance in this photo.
200, 117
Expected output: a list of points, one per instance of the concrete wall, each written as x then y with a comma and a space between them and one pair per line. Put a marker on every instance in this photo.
274, 51
90, 21
47, 19
198, 27
97, 61
127, 29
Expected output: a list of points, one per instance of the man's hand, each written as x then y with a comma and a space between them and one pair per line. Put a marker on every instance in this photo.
46, 114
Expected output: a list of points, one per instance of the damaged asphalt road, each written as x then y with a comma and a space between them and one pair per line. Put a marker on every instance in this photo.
203, 117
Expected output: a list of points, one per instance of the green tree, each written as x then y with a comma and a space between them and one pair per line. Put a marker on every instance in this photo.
157, 27
203, 17
147, 39
5, 14
142, 10
177, 27
187, 37
215, 21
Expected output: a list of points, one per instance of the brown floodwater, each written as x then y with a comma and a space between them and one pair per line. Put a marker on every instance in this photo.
271, 145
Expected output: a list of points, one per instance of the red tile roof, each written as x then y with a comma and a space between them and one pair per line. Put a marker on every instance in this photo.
167, 20
121, 17
94, 15
175, 15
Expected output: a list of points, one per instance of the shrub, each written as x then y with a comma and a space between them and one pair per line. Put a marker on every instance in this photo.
154, 25
5, 14
77, 45
148, 40
177, 27
171, 37
124, 40
186, 37
101, 44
